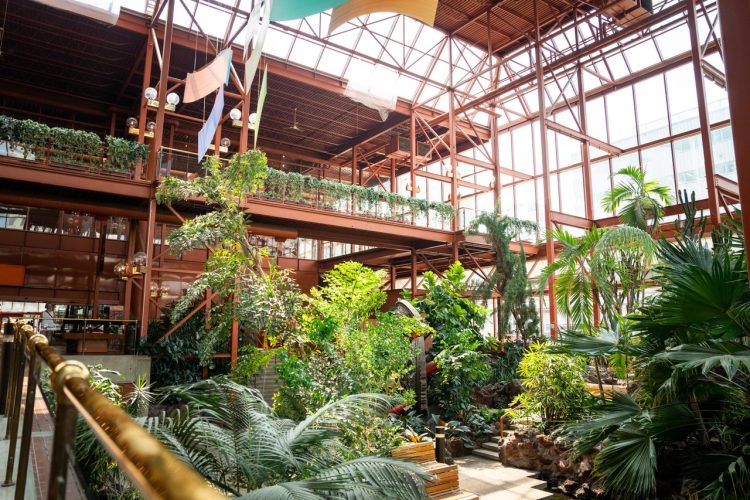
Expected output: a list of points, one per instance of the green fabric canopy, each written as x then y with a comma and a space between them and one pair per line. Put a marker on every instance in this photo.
286, 10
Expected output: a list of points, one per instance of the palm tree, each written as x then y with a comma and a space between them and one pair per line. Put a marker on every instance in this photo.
575, 286
641, 201
688, 422
232, 437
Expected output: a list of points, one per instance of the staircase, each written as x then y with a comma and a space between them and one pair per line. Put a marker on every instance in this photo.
484, 473
490, 449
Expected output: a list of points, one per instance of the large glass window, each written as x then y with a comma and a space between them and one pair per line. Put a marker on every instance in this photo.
600, 185
657, 162
621, 118
572, 194
43, 220
723, 152
691, 174
683, 101
12, 217
652, 109
523, 158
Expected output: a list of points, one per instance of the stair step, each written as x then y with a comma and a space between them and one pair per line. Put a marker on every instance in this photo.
492, 446
492, 455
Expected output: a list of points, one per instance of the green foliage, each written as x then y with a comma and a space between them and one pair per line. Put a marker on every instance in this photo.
345, 344
509, 277
123, 155
642, 201
555, 390
174, 359
458, 346
264, 303
73, 147
250, 361
505, 366
231, 437
351, 293
104, 477
686, 428
292, 186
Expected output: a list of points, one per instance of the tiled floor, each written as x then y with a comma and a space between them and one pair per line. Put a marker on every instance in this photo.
493, 481
42, 432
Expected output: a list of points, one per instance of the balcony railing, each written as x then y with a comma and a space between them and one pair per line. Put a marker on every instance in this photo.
153, 470
307, 191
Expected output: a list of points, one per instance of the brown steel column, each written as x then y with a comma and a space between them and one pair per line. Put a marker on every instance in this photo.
452, 152
713, 198
394, 188
550, 244
735, 38
142, 117
127, 308
163, 88
413, 157
585, 154
149, 243
413, 273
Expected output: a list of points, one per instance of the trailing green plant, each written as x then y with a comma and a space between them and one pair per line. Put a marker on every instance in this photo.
123, 155
555, 391
75, 146
508, 277
32, 136
250, 361
293, 186
230, 436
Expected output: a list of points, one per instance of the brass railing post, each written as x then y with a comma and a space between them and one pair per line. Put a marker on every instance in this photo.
28, 417
15, 407
65, 427
11, 381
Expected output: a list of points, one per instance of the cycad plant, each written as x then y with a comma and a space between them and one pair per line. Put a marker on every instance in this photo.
640, 202
233, 438
508, 278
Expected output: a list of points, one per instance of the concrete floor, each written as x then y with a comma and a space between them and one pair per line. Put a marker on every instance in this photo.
493, 481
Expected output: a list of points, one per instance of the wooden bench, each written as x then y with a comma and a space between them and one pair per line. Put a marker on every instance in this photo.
444, 485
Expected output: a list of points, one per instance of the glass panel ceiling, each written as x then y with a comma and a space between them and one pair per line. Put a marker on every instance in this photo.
391, 40
420, 54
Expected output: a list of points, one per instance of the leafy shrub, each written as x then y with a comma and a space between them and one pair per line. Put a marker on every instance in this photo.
123, 155
555, 387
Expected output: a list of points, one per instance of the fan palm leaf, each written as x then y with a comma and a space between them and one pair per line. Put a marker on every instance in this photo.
638, 200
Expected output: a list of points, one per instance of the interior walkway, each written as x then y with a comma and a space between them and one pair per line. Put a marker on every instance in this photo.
493, 481
39, 462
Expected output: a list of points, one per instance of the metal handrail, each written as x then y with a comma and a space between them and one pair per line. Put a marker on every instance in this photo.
153, 470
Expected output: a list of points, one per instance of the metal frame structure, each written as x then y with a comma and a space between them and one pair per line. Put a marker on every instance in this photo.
498, 93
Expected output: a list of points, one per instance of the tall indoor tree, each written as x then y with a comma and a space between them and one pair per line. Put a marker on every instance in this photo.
640, 202
262, 301
508, 277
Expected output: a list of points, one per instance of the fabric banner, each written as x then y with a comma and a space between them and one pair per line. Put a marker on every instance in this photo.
204, 81
251, 64
421, 10
206, 135
253, 26
259, 111
287, 10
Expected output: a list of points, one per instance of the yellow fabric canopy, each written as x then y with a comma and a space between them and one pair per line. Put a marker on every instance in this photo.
421, 10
